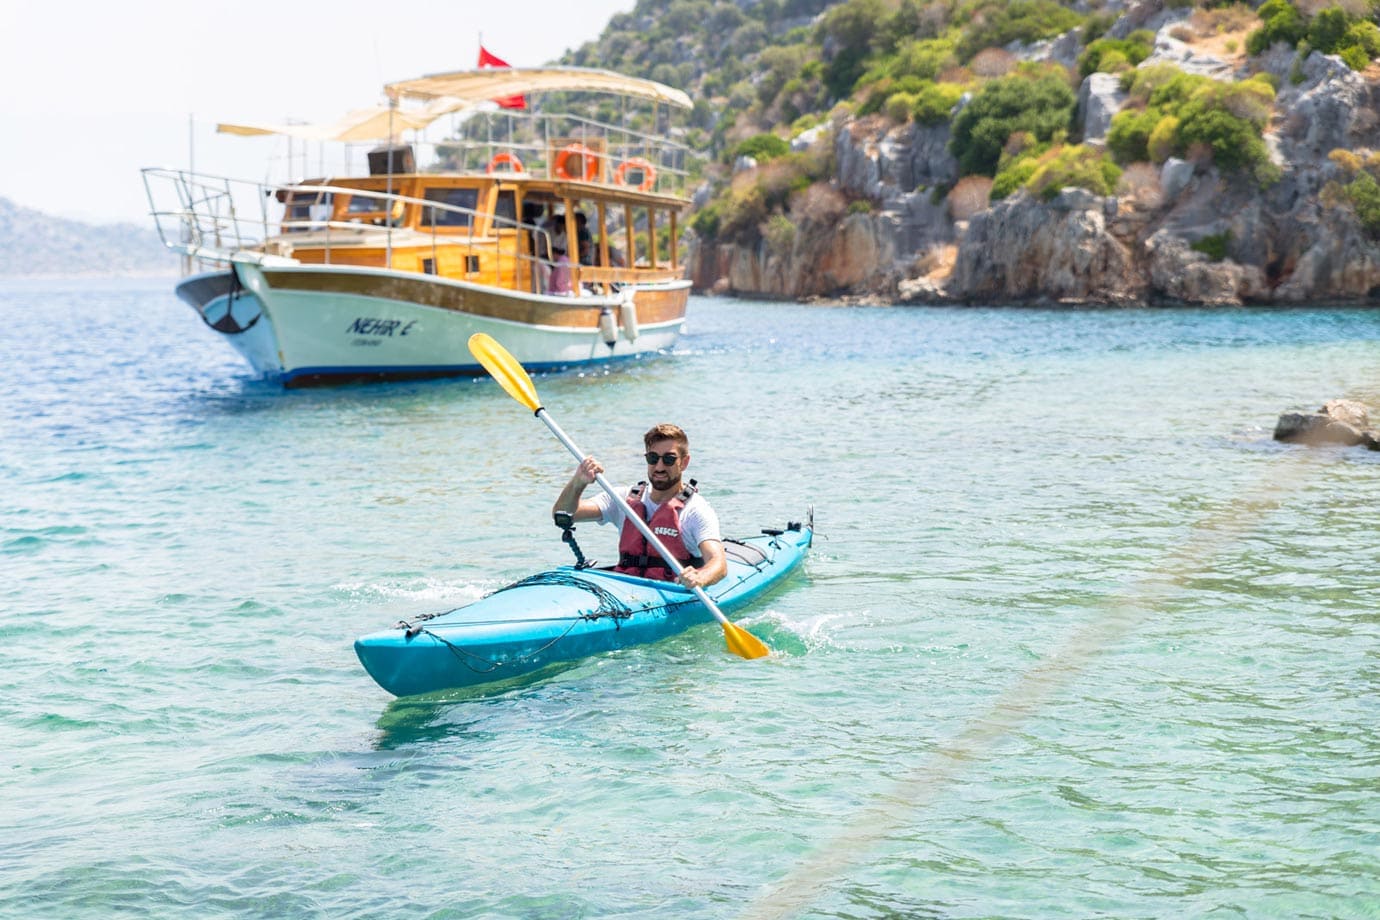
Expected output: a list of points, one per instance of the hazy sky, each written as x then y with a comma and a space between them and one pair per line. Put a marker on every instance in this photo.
92, 91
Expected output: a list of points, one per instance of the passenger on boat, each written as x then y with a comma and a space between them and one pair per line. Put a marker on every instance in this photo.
677, 513
548, 246
584, 243
559, 281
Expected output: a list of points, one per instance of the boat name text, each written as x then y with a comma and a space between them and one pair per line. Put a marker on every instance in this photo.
367, 325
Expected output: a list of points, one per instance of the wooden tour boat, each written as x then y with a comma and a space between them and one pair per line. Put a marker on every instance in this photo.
387, 275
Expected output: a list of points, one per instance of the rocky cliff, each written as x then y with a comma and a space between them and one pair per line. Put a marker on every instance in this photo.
1281, 243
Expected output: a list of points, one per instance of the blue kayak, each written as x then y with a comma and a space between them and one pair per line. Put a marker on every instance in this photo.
565, 614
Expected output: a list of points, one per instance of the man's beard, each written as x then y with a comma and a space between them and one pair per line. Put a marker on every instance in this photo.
671, 482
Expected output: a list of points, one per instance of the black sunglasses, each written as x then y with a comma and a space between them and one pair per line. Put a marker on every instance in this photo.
667, 459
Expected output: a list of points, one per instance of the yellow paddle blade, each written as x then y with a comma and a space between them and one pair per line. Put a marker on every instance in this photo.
504, 368
743, 643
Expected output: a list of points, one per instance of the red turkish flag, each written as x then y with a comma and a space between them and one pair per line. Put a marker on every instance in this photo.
489, 60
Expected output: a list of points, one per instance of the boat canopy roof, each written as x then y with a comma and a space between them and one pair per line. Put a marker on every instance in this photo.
472, 86
368, 124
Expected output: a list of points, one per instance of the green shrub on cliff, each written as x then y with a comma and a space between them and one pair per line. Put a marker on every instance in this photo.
741, 211
1332, 30
779, 231
762, 147
1282, 22
1364, 35
1363, 192
850, 30
707, 220
1128, 137
1328, 29
1044, 170
935, 102
1013, 177
994, 23
1112, 55
924, 59
880, 93
1074, 166
1042, 105
1214, 245
1186, 114
898, 106
1355, 58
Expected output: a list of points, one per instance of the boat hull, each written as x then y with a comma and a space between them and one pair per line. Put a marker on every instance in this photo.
309, 324
564, 615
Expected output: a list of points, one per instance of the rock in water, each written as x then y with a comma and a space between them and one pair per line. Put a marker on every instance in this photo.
1339, 421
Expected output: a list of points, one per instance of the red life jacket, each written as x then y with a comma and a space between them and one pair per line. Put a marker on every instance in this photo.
636, 556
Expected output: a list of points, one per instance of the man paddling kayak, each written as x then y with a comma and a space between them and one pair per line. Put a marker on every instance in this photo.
676, 512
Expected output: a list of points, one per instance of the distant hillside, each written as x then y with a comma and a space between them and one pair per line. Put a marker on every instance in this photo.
34, 243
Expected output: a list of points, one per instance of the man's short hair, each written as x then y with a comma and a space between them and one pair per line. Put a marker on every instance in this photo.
666, 431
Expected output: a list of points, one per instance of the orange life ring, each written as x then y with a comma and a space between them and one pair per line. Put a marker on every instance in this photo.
620, 175
587, 156
504, 158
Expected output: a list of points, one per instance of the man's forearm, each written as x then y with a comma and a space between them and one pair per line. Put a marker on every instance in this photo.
569, 499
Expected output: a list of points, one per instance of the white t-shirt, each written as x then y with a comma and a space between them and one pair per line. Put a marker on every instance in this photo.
698, 522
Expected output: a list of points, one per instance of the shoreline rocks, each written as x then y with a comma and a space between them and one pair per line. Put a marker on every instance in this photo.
1178, 233
1344, 422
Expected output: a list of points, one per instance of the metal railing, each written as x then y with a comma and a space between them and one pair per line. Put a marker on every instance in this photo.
214, 220
532, 137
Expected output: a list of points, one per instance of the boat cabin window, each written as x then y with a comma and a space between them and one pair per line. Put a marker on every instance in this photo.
467, 198
303, 211
373, 208
363, 203
505, 207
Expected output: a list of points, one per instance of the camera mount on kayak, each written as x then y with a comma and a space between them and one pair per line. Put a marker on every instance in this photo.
566, 522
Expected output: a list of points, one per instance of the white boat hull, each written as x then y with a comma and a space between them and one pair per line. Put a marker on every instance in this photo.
305, 325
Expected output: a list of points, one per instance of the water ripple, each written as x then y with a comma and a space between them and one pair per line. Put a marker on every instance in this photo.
1076, 637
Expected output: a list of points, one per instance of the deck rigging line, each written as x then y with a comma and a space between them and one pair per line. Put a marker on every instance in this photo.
610, 605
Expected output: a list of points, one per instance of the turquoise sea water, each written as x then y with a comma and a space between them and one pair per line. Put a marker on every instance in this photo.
1077, 639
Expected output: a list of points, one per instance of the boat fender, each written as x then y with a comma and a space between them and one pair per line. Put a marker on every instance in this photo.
627, 316
607, 329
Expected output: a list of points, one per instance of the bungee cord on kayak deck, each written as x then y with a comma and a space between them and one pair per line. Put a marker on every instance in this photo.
465, 657
609, 606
